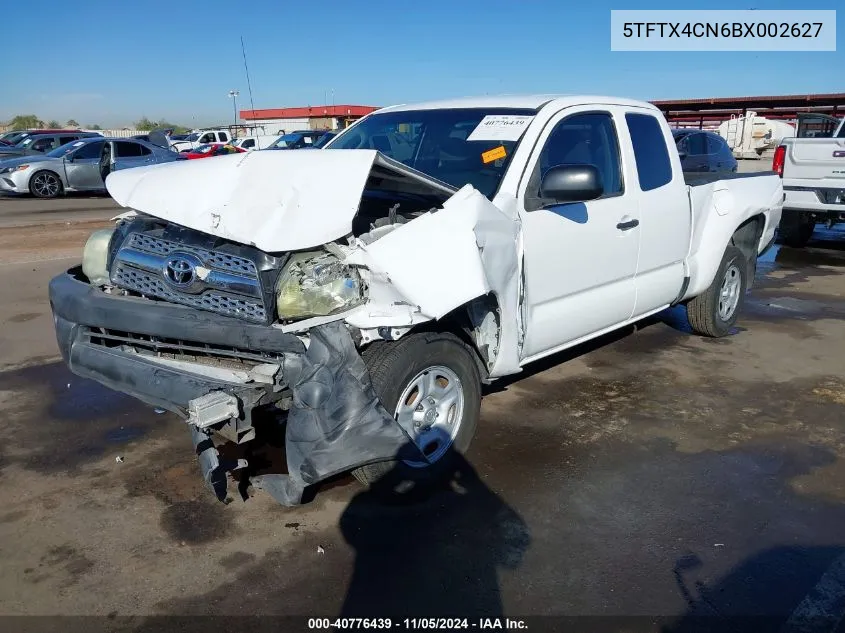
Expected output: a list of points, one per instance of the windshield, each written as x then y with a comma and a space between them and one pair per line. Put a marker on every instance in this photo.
192, 137
16, 138
65, 149
450, 145
287, 139
203, 149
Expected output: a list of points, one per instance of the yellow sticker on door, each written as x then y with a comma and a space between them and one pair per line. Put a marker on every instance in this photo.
493, 154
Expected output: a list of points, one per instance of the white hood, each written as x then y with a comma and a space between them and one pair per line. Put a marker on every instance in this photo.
274, 200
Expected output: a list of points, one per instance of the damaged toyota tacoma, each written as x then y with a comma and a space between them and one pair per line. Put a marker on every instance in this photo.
363, 294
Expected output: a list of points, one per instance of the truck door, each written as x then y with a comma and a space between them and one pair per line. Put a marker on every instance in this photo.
579, 258
664, 210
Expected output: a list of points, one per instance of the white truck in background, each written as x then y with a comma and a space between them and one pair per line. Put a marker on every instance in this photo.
201, 137
813, 172
361, 295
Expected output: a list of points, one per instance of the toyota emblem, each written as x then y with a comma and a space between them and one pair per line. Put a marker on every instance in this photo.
180, 269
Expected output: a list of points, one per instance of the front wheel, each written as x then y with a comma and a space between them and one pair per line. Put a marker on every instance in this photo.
430, 382
714, 312
45, 184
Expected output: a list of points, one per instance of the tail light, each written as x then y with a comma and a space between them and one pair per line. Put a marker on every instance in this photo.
778, 160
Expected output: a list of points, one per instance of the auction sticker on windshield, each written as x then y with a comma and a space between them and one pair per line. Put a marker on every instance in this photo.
500, 127
494, 154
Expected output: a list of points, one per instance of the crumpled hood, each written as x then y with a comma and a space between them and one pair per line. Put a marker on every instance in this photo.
275, 201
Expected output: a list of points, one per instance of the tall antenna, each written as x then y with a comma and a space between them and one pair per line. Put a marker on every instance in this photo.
248, 82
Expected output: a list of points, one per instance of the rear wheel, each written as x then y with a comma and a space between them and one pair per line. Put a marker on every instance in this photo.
714, 312
430, 383
45, 184
796, 229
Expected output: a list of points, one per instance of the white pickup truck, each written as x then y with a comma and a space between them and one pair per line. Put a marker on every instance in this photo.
363, 293
201, 137
813, 172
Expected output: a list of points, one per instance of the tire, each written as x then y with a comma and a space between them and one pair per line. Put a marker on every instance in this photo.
393, 367
708, 313
45, 184
796, 229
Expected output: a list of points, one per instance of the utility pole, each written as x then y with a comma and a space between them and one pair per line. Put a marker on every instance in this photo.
234, 94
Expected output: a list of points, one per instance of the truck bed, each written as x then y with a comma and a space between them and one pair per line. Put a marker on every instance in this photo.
694, 180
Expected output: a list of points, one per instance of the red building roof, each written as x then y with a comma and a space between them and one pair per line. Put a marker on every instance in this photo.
308, 112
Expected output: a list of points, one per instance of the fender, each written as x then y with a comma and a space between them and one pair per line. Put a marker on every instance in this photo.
718, 210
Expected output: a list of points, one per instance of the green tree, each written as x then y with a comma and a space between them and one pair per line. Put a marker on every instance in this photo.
94, 126
52, 123
25, 122
72, 123
146, 124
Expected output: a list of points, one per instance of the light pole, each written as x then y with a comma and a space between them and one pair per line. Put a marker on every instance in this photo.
234, 94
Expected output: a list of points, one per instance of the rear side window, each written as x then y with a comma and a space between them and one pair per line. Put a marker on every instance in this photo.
127, 149
696, 144
224, 137
715, 144
653, 166
248, 143
67, 139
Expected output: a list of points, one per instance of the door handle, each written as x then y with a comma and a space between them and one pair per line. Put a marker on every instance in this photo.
630, 224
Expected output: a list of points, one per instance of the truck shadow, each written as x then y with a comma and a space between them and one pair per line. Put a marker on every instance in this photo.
435, 552
785, 588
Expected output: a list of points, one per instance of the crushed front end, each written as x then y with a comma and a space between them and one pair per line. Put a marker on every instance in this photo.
188, 322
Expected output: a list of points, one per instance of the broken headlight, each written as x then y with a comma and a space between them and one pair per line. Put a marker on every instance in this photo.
316, 284
95, 257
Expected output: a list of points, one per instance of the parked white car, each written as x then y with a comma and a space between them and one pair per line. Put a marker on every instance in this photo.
370, 289
250, 143
202, 137
813, 172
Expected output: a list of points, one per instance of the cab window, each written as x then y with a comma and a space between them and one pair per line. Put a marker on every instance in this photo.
581, 139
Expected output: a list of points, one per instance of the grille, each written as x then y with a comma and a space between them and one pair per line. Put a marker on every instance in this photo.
232, 357
153, 285
221, 261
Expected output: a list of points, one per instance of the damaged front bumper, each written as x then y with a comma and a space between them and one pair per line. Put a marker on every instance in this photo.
335, 421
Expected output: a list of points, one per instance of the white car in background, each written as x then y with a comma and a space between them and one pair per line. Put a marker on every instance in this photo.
250, 143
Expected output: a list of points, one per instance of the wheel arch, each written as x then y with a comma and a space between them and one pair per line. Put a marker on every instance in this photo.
477, 323
41, 170
705, 262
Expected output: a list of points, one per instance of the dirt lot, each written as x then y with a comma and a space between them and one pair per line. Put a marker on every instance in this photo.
651, 473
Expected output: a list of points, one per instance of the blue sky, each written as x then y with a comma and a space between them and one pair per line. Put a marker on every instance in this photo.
114, 61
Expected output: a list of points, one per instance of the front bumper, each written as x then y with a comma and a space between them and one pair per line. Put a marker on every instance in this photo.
15, 182
335, 422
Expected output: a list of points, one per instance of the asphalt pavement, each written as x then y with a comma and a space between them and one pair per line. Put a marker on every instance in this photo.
652, 475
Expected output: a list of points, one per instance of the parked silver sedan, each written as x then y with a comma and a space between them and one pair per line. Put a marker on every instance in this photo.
81, 165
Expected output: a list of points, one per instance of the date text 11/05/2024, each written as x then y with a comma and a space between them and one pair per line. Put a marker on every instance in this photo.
442, 624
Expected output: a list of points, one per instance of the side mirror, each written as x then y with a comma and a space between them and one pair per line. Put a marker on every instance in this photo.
571, 183
69, 158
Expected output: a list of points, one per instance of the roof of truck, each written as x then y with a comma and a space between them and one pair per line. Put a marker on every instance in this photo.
535, 101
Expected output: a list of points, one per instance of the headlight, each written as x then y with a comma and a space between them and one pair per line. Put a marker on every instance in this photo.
95, 257
11, 170
316, 284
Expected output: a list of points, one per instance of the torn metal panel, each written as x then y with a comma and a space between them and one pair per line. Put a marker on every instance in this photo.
214, 469
444, 259
336, 421
274, 200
